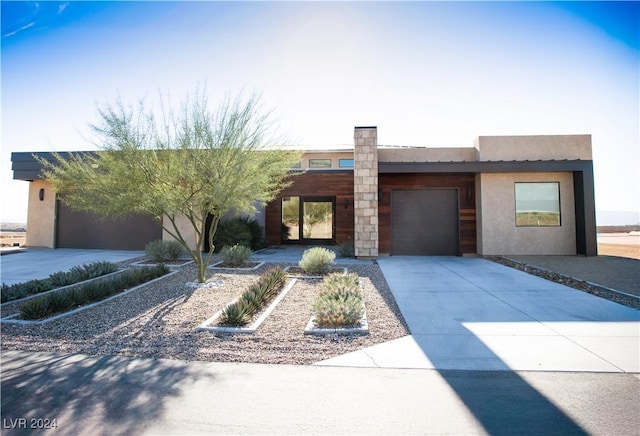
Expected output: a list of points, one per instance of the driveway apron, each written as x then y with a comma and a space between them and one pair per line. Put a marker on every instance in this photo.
474, 314
39, 263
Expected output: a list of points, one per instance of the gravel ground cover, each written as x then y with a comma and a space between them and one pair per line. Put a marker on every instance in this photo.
159, 321
576, 283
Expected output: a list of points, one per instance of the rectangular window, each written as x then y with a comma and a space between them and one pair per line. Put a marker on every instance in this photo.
319, 163
537, 204
297, 165
345, 163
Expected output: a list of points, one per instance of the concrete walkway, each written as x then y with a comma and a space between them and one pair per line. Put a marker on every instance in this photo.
474, 314
39, 263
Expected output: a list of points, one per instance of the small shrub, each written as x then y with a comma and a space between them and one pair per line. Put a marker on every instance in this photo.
231, 232
236, 255
317, 260
155, 251
340, 302
257, 233
173, 250
161, 251
239, 230
343, 312
346, 248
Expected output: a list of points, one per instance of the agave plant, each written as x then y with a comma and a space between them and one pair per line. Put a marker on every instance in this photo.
35, 309
235, 315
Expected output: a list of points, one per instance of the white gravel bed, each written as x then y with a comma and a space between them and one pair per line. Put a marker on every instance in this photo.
160, 321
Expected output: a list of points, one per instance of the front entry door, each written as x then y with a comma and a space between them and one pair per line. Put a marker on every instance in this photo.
308, 220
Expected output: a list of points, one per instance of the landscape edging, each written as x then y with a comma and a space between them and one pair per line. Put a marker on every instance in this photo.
29, 297
254, 326
10, 320
214, 267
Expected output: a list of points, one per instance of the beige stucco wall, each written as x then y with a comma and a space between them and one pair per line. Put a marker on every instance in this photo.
497, 231
535, 147
333, 155
423, 154
186, 230
41, 215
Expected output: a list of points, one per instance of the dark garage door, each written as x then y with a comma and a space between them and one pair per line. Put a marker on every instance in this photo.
85, 230
424, 222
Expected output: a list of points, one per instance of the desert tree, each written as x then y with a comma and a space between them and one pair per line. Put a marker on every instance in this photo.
176, 165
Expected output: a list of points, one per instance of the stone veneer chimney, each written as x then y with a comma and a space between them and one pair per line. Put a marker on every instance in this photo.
365, 187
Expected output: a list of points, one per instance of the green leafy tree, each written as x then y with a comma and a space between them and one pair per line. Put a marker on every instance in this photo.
191, 163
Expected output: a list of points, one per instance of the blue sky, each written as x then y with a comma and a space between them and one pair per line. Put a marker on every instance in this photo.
426, 73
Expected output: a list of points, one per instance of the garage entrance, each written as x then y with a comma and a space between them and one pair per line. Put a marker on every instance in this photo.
425, 222
85, 230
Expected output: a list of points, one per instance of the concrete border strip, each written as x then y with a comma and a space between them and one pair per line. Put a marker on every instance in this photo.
10, 319
205, 326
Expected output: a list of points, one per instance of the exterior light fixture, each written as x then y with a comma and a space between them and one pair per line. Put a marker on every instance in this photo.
41, 194
346, 203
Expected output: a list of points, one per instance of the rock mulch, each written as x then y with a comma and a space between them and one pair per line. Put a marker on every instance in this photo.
582, 285
159, 321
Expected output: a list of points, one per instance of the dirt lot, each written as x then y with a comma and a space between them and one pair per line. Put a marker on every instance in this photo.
10, 239
619, 250
619, 244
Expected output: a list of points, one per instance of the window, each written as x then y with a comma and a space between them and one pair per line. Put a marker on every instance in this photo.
345, 163
319, 163
537, 204
297, 165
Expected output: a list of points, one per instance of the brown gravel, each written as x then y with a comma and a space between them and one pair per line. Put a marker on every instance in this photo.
159, 321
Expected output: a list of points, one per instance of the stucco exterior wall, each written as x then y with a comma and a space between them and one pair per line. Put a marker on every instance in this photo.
419, 154
335, 157
497, 231
185, 227
535, 147
41, 215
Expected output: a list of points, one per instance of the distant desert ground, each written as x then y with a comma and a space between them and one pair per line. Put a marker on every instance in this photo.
619, 244
10, 239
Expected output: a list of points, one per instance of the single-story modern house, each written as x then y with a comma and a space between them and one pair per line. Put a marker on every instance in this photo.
506, 195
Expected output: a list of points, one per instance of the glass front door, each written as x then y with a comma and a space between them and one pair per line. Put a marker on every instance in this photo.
308, 219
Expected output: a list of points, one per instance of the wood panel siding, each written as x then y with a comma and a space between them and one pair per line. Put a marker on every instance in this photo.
465, 183
316, 183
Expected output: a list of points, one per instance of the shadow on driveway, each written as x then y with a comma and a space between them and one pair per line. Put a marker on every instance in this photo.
491, 321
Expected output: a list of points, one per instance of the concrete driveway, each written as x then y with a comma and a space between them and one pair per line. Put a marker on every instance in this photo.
39, 263
474, 314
